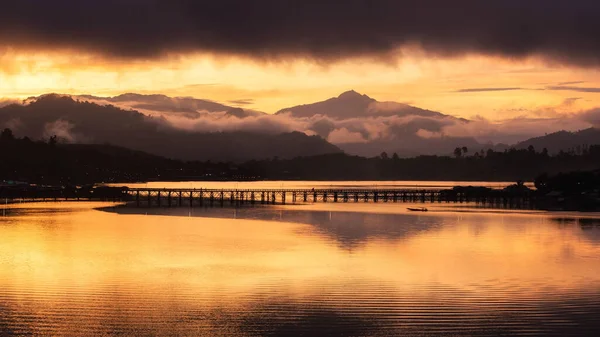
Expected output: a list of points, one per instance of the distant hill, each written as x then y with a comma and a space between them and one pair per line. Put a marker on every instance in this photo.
84, 122
40, 162
188, 106
563, 140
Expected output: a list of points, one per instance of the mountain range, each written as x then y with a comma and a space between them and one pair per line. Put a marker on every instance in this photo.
84, 122
196, 129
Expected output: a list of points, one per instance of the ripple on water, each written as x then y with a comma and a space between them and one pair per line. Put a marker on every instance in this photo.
82, 272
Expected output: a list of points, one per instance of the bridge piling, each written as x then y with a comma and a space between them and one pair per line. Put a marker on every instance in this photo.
154, 197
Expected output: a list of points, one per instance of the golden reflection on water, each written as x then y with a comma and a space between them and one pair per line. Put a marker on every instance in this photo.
113, 272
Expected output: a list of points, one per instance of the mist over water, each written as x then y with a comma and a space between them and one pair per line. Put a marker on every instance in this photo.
311, 270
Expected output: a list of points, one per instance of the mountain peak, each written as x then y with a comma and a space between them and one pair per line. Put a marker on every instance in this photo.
351, 104
352, 94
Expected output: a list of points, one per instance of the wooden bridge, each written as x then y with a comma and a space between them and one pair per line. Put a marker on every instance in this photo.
152, 197
171, 197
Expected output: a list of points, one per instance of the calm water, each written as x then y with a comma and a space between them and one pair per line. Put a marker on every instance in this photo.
316, 270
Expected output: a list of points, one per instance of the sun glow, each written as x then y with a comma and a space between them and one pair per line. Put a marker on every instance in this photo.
467, 86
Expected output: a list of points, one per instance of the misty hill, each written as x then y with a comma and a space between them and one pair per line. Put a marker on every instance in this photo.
84, 122
187, 106
49, 162
563, 140
352, 104
361, 125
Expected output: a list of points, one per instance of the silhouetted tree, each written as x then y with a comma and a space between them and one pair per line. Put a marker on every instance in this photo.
531, 149
53, 140
7, 135
458, 152
384, 155
395, 156
541, 182
545, 152
465, 150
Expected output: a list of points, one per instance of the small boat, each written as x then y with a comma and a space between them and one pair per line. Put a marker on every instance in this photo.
417, 209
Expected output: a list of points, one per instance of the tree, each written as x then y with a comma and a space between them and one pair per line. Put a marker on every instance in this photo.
545, 152
53, 140
7, 135
465, 150
541, 182
384, 155
458, 152
531, 149
395, 156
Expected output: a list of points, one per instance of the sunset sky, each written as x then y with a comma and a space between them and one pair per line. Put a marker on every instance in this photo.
494, 59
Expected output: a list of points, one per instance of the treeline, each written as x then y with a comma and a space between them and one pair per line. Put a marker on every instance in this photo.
509, 165
48, 162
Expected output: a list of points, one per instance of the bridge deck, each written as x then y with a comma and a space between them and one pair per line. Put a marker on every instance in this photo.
198, 197
150, 197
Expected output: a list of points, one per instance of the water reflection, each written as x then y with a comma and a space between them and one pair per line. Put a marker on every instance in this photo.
288, 272
349, 229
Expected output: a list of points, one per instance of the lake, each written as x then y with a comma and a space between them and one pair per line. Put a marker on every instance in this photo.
91, 269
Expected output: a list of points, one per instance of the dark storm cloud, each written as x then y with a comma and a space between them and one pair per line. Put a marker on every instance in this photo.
572, 88
566, 31
488, 89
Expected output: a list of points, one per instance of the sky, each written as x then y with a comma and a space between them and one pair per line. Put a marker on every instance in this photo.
496, 59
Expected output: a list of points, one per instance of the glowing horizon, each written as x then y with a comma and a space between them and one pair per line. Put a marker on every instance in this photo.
468, 86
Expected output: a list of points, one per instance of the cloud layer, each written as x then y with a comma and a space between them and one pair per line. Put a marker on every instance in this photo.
374, 126
565, 31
